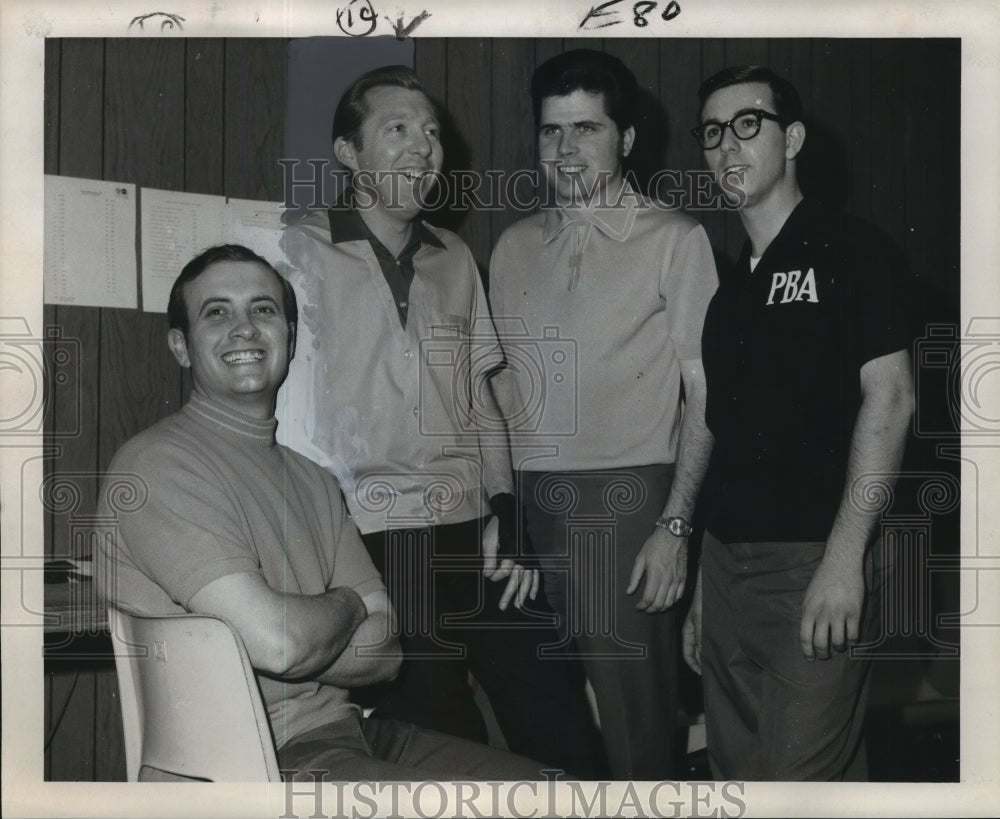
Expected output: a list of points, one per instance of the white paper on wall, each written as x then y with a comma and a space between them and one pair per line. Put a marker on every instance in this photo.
89, 251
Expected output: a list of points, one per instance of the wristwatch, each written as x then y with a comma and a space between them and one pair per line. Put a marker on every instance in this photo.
676, 526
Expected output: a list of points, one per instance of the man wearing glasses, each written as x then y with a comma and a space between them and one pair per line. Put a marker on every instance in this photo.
809, 400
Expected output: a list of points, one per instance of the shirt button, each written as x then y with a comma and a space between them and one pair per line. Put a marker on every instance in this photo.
403, 304
408, 354
416, 412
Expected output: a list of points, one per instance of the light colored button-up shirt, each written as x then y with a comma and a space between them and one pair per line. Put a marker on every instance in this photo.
391, 411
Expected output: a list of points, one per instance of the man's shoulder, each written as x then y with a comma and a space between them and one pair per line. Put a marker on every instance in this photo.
165, 454
306, 466
660, 216
867, 233
827, 221
298, 220
451, 240
527, 229
302, 235
149, 448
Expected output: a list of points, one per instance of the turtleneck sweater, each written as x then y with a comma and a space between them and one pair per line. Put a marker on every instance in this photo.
207, 492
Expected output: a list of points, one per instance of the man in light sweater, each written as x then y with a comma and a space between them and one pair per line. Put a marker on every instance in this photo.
610, 475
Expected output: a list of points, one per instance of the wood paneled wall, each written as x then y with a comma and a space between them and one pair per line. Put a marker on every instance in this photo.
206, 116
883, 124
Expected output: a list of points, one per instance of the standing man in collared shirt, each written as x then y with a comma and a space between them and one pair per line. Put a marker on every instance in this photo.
618, 457
810, 396
396, 345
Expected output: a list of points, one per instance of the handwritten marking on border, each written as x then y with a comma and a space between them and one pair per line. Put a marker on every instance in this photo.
595, 18
405, 31
169, 21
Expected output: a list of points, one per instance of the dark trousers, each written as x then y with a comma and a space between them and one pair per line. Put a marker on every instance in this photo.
356, 749
450, 624
770, 713
587, 529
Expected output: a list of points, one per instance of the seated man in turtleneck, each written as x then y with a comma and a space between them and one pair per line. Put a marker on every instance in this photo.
237, 526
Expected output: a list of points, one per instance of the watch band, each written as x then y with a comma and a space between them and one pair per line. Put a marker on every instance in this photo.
677, 526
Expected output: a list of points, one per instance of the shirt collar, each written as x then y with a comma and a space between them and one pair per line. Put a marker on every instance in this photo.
346, 225
228, 422
615, 221
808, 212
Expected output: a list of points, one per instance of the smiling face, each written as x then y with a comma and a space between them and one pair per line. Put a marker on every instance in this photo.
399, 145
580, 147
761, 168
239, 342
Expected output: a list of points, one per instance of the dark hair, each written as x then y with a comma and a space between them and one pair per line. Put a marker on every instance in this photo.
353, 106
177, 314
787, 103
594, 72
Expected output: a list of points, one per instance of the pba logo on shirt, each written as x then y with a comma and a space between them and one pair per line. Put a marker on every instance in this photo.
793, 286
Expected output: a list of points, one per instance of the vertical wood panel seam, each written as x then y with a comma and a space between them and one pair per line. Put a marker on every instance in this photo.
179, 395
904, 234
55, 109
184, 114
104, 103
225, 121
491, 160
857, 192
94, 750
98, 466
57, 114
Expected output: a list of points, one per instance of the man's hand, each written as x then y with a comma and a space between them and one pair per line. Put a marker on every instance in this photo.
522, 582
831, 608
358, 665
663, 559
691, 633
